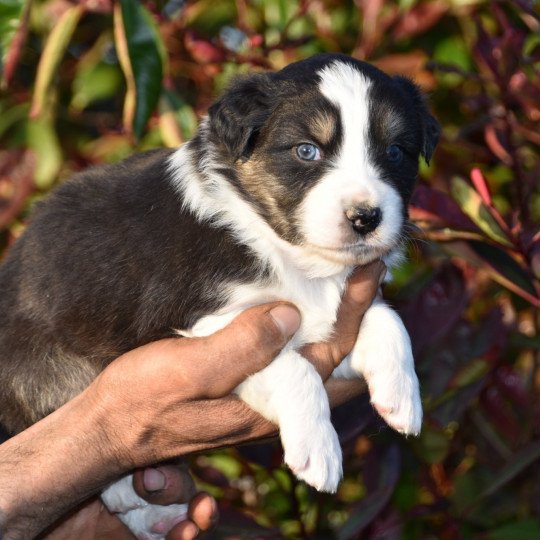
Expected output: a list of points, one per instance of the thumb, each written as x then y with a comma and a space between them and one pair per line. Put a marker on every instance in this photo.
246, 345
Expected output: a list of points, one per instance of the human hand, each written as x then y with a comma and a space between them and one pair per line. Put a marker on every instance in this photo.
183, 384
162, 400
163, 484
150, 405
173, 396
361, 289
95, 521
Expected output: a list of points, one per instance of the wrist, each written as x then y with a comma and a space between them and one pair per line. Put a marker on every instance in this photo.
51, 467
116, 424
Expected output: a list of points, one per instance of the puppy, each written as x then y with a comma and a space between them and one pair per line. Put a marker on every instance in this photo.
292, 180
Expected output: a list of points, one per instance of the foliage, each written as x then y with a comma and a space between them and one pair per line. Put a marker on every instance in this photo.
92, 81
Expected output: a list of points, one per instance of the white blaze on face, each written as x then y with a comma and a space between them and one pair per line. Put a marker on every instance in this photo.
353, 178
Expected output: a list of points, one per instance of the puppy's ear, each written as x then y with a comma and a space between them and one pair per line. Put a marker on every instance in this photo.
239, 114
431, 129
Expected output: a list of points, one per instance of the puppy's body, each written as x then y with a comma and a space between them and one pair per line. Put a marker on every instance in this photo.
110, 262
295, 178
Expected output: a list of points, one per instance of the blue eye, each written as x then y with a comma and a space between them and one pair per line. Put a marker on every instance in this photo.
394, 154
308, 152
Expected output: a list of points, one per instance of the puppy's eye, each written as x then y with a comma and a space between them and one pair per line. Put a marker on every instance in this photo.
394, 154
308, 152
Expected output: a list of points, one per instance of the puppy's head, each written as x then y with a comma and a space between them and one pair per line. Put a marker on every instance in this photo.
326, 151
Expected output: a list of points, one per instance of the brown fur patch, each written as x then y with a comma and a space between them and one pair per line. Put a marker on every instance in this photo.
323, 127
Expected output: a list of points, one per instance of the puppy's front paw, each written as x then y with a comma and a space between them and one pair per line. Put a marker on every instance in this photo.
395, 394
383, 355
313, 453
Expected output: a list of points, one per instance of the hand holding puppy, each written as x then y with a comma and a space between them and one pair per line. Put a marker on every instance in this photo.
134, 414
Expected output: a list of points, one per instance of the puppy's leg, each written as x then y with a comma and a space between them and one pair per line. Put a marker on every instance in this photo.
383, 356
146, 521
291, 393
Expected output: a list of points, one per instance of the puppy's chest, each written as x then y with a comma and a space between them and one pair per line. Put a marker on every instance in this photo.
317, 299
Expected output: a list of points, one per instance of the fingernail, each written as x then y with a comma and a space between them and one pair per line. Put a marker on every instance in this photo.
153, 480
287, 318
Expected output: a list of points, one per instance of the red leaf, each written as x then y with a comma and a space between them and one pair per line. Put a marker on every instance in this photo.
381, 476
437, 307
499, 412
202, 50
16, 180
481, 186
430, 204
15, 49
496, 145
420, 18
527, 92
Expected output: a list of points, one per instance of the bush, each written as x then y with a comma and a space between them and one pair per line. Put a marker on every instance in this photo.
93, 81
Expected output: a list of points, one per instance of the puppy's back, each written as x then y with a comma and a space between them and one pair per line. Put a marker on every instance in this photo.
108, 262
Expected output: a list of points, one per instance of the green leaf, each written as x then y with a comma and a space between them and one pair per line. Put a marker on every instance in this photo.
12, 115
185, 117
93, 83
432, 446
42, 139
472, 205
528, 529
470, 373
505, 265
10, 16
453, 50
146, 57
226, 463
209, 16
52, 55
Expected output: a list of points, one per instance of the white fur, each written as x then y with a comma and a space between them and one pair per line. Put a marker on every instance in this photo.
146, 521
383, 356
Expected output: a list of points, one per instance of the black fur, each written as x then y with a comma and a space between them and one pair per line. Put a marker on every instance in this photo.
110, 261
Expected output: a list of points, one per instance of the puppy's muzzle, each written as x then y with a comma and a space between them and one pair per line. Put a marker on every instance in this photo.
364, 219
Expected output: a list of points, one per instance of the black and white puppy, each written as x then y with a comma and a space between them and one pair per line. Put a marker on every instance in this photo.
295, 178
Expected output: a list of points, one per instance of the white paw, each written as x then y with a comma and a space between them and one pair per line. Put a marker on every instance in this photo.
383, 355
313, 453
146, 521
395, 394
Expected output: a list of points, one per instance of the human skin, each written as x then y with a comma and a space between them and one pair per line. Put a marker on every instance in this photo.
148, 406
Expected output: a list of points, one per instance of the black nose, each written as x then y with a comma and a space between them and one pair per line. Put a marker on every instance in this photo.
364, 219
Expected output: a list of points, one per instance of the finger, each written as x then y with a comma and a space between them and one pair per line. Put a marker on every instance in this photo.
358, 297
203, 511
247, 345
187, 530
165, 484
342, 390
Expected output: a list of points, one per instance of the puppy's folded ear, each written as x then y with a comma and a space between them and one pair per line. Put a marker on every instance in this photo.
431, 129
239, 114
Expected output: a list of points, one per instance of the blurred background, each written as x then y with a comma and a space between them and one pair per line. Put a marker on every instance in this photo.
89, 82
